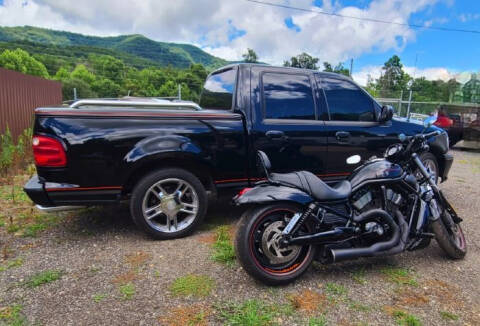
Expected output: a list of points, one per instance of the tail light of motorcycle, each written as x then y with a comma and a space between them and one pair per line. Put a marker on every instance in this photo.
48, 152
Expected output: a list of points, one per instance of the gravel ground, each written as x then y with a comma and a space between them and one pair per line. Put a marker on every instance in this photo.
99, 251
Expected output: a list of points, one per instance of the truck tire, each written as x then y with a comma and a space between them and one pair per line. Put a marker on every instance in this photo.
168, 203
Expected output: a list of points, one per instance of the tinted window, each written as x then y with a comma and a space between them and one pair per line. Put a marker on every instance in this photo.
288, 97
218, 90
346, 101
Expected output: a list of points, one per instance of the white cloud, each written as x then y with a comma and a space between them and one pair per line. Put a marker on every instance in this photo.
208, 22
432, 73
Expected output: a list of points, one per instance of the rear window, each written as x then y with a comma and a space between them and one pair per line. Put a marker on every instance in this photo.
218, 90
288, 96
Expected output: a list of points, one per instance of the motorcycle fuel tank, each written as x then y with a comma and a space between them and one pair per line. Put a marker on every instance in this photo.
377, 169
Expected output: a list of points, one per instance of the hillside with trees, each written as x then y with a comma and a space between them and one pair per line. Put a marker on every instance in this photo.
137, 46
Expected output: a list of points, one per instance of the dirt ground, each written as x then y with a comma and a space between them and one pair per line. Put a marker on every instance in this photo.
95, 268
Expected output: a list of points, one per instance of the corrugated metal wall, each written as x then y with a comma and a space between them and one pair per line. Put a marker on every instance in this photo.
19, 96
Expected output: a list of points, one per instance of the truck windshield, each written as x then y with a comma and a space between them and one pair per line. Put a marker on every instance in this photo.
218, 90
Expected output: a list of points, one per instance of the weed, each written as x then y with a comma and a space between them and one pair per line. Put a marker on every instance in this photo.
44, 277
12, 316
32, 230
359, 276
448, 315
137, 259
127, 291
125, 278
249, 313
12, 228
335, 289
357, 306
190, 315
223, 246
11, 264
317, 321
405, 319
192, 285
308, 301
99, 297
400, 276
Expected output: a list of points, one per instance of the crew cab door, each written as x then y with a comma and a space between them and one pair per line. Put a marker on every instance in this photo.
285, 120
351, 124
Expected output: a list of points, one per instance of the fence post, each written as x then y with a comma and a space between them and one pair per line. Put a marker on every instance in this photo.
409, 102
400, 104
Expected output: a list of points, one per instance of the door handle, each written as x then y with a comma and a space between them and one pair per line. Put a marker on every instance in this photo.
342, 136
275, 134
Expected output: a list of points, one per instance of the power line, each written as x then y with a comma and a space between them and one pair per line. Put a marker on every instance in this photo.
373, 20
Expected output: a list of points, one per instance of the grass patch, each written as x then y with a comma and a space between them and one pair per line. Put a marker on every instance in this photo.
12, 264
448, 315
127, 291
400, 276
192, 285
99, 297
249, 313
12, 316
405, 319
44, 277
335, 289
223, 246
317, 321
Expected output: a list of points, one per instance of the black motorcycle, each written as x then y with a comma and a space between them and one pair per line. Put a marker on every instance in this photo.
386, 206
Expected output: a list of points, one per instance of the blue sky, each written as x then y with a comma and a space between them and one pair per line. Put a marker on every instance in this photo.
453, 50
226, 28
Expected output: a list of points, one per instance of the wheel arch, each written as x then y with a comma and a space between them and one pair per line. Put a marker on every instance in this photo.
181, 160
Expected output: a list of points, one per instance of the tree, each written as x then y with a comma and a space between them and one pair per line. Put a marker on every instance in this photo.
62, 74
81, 72
339, 69
109, 67
393, 77
20, 60
83, 89
106, 88
250, 56
303, 60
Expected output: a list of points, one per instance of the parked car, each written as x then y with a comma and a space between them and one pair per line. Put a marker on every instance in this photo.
168, 157
452, 123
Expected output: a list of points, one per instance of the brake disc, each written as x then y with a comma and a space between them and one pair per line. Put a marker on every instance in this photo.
271, 247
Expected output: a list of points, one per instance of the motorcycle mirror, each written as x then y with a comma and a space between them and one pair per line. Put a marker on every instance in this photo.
354, 159
428, 122
402, 137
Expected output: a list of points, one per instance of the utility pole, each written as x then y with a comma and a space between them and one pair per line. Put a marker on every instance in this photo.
351, 67
179, 91
75, 93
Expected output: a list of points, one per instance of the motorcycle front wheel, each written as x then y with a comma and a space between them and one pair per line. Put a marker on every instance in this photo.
258, 250
450, 239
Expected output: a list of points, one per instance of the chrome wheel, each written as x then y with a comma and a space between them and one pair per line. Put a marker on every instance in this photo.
170, 205
431, 167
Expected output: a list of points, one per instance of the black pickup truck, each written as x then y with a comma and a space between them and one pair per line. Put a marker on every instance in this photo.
169, 157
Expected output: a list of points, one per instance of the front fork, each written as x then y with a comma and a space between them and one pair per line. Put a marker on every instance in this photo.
435, 209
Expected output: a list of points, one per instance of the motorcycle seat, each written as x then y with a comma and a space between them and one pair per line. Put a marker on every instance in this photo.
311, 184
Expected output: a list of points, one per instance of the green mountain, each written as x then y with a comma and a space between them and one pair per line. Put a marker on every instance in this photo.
136, 50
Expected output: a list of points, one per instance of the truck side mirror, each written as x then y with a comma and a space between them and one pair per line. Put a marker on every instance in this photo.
386, 113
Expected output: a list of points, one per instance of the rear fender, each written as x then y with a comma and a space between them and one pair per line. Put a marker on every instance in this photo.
268, 193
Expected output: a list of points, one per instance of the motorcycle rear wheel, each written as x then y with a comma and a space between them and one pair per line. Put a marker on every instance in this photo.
259, 253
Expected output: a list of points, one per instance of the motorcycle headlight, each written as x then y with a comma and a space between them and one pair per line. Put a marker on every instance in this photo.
392, 150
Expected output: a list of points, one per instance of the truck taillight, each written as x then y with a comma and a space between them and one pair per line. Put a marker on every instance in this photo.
48, 152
